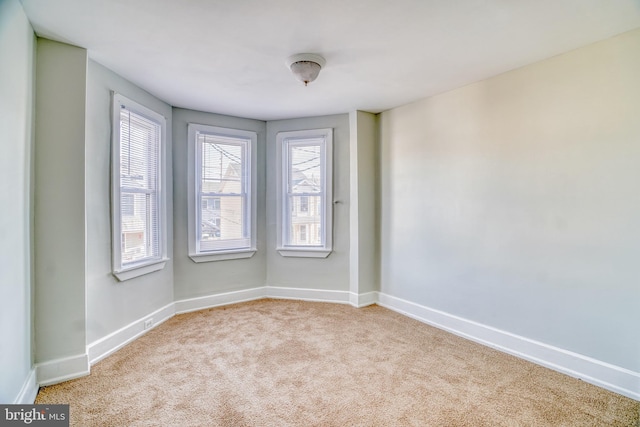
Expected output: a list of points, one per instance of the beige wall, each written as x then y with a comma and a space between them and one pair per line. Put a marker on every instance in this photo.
514, 202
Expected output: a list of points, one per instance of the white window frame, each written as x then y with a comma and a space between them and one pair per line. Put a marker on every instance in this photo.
194, 182
125, 271
284, 140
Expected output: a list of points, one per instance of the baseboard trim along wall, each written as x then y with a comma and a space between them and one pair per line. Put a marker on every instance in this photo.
605, 375
276, 292
29, 390
63, 369
316, 295
215, 300
103, 347
363, 300
610, 377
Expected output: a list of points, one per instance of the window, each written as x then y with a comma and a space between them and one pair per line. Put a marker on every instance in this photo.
127, 207
139, 237
304, 193
222, 200
211, 203
304, 204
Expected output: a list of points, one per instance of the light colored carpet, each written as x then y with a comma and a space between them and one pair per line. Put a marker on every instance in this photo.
292, 363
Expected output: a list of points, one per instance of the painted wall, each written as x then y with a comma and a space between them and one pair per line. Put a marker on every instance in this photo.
330, 273
17, 55
514, 201
363, 244
111, 304
59, 201
207, 278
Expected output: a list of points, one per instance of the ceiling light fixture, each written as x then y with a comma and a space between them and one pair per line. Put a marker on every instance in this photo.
305, 66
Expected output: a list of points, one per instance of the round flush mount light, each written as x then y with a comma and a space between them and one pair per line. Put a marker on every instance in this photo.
305, 66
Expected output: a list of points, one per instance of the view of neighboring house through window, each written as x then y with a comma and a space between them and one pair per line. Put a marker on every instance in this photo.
304, 195
138, 227
304, 204
222, 203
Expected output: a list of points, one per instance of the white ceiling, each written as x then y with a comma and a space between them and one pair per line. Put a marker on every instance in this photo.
228, 56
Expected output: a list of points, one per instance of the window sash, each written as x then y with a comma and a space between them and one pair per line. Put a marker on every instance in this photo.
139, 152
138, 200
235, 204
148, 245
304, 178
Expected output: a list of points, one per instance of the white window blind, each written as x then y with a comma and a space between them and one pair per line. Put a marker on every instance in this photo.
305, 193
222, 204
137, 195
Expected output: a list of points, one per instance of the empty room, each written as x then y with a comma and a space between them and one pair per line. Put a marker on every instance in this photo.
296, 213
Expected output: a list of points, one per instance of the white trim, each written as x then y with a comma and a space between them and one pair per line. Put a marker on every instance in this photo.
29, 390
109, 344
136, 271
602, 374
63, 369
317, 295
304, 137
275, 292
596, 372
200, 303
223, 255
157, 262
223, 249
363, 300
304, 253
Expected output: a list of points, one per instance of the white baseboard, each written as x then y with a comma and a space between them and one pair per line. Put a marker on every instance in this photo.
610, 377
276, 292
317, 295
63, 369
216, 300
29, 390
605, 375
105, 346
363, 300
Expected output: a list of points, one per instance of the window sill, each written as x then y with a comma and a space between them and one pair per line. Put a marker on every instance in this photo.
141, 270
304, 252
222, 256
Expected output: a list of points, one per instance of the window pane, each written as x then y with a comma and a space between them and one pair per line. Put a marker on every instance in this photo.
302, 223
226, 222
139, 188
305, 175
223, 196
222, 170
210, 218
127, 204
139, 227
139, 148
304, 193
231, 218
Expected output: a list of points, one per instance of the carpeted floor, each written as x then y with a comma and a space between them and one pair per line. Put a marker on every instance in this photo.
292, 363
